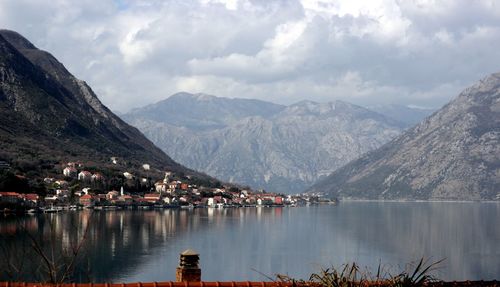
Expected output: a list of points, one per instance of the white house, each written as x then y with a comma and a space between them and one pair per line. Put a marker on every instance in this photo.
112, 195
69, 171
84, 175
211, 202
173, 185
97, 177
160, 186
167, 200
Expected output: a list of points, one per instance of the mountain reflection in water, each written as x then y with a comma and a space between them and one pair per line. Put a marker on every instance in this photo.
245, 243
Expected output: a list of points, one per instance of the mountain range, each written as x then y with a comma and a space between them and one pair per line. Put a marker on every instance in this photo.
46, 114
262, 144
408, 116
453, 155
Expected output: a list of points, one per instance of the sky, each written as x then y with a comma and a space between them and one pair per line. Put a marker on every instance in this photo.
376, 52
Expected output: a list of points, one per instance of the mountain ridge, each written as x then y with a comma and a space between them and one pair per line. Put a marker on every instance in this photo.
282, 149
181, 109
47, 114
453, 154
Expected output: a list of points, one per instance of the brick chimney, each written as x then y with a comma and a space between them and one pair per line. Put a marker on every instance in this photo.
189, 269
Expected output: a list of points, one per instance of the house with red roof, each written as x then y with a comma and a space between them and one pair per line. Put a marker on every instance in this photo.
85, 175
278, 200
97, 177
173, 185
125, 199
152, 197
70, 171
160, 186
33, 197
9, 197
87, 200
112, 195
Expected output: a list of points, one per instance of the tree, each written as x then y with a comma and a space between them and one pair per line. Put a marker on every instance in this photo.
10, 182
39, 256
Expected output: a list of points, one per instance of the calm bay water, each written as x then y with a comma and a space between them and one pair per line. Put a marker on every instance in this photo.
245, 243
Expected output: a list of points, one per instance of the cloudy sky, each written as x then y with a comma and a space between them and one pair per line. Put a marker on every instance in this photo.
137, 52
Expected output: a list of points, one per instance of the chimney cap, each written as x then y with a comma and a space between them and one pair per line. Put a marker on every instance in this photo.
189, 252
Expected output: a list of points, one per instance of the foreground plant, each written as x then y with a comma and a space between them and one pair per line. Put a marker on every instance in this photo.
350, 275
420, 275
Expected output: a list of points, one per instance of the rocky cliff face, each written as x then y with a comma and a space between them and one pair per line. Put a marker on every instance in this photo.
47, 113
453, 154
261, 144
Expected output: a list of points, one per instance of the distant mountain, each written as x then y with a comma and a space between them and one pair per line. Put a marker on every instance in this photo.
261, 144
203, 112
409, 116
48, 114
454, 154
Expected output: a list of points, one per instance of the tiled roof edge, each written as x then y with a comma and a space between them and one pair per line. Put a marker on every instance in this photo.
493, 283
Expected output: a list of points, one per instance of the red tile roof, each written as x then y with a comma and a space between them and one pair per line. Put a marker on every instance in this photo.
241, 284
158, 284
9, 193
31, 196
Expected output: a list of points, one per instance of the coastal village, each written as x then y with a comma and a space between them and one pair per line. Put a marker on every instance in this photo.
167, 192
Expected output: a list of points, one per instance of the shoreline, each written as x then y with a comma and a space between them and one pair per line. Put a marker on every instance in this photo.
418, 200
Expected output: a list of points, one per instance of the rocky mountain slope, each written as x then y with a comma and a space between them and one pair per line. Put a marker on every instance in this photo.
454, 154
261, 144
48, 114
203, 112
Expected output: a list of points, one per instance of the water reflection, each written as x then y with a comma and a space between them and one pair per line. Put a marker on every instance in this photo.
240, 244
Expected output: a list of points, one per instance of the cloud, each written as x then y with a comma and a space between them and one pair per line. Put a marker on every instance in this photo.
368, 52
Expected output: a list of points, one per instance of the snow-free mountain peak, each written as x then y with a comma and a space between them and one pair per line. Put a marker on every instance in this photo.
48, 115
453, 154
261, 144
